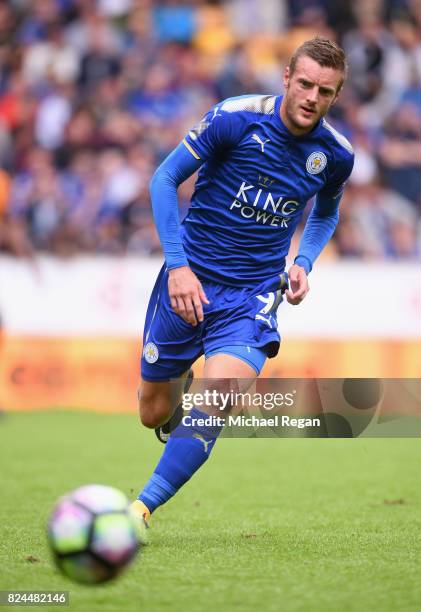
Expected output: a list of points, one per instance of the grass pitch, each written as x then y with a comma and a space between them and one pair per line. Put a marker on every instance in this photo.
266, 525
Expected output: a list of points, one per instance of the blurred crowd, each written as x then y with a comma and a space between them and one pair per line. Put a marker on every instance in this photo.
95, 93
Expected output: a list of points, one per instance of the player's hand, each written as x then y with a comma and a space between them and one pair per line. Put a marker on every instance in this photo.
298, 283
186, 294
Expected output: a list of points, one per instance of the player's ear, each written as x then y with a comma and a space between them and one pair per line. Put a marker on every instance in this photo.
338, 91
336, 96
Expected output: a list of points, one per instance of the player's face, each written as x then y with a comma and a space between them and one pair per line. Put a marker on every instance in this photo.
309, 93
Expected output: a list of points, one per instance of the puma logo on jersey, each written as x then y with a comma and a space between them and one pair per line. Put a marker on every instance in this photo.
202, 439
261, 142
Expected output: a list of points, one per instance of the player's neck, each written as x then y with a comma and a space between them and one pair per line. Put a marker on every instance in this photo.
292, 127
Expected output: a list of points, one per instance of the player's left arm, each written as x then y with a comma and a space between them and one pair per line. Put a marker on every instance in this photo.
319, 229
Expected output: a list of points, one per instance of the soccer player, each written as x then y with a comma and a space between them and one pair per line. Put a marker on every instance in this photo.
261, 158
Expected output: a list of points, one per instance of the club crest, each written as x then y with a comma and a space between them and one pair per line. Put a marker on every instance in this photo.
150, 352
316, 162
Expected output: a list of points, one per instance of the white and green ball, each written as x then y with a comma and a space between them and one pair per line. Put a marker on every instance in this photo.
92, 534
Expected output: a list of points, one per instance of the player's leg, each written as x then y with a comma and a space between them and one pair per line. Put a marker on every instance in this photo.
158, 400
190, 445
170, 347
159, 404
249, 317
229, 362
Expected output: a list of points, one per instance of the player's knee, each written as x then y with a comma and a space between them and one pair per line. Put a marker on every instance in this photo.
153, 410
150, 420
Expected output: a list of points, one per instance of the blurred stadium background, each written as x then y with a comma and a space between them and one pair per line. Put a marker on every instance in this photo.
94, 94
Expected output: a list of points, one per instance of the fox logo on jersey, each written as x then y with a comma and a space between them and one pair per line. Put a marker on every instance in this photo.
150, 352
316, 162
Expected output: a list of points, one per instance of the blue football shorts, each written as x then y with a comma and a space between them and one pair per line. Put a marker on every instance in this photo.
235, 316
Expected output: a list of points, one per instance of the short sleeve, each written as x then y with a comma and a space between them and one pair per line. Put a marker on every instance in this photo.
217, 131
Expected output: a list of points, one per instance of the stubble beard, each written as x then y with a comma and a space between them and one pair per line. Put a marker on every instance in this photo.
289, 110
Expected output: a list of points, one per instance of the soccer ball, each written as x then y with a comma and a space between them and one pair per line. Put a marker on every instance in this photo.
92, 534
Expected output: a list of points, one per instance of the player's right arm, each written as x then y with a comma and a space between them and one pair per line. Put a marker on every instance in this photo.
185, 290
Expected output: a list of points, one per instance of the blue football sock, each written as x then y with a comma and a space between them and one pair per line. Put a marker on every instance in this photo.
188, 447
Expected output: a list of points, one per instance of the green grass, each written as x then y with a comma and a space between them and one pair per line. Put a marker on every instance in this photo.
288, 524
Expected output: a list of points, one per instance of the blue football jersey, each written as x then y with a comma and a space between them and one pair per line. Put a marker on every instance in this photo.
253, 186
